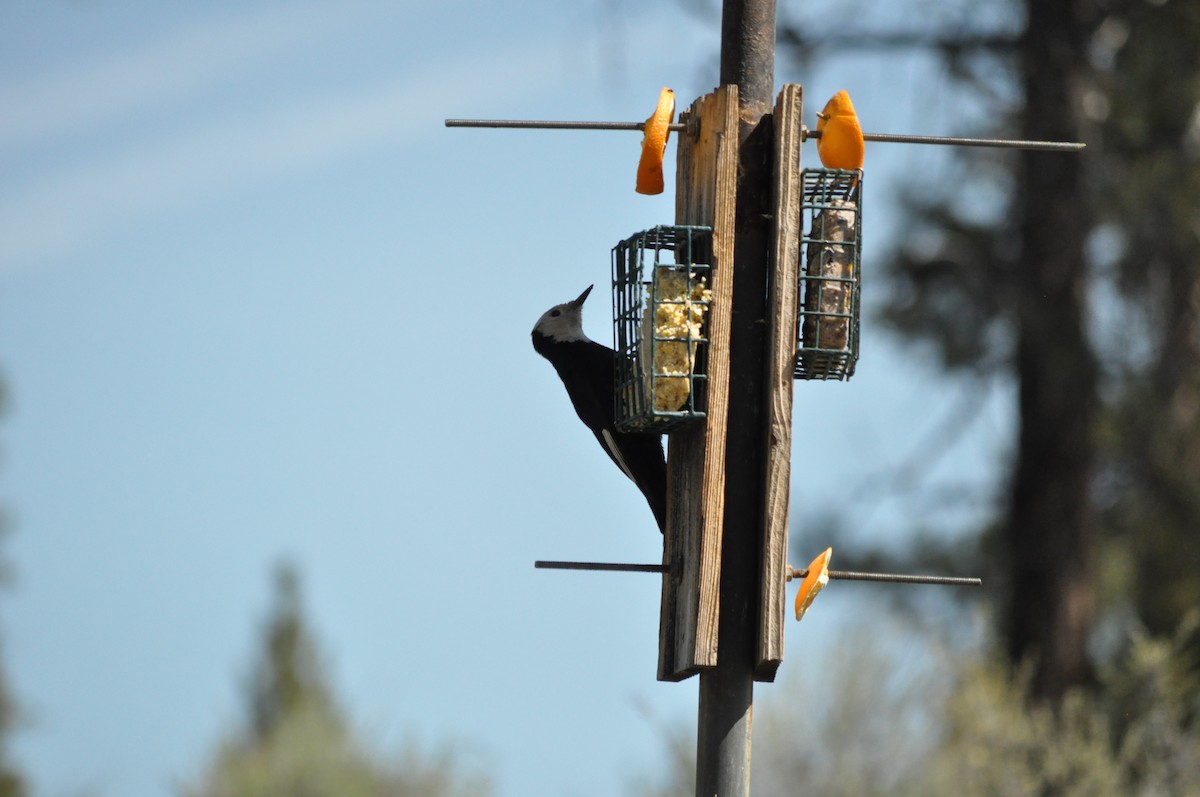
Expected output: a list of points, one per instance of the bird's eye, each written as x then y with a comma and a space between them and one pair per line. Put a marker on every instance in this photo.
555, 313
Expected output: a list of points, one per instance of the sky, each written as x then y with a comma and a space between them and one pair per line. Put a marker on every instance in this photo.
258, 303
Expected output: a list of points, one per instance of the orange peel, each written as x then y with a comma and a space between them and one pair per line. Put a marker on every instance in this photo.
654, 144
814, 582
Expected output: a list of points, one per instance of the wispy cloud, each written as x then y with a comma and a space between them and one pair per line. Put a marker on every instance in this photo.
77, 96
58, 211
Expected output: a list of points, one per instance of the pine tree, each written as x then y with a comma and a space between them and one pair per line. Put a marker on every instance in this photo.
1102, 497
12, 784
288, 677
297, 741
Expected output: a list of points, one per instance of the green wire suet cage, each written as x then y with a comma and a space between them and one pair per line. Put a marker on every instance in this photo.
661, 297
830, 273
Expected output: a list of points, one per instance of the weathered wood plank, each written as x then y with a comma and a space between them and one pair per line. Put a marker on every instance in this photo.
706, 184
782, 302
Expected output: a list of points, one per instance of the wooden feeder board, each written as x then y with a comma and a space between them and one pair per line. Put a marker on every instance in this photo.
706, 188
706, 193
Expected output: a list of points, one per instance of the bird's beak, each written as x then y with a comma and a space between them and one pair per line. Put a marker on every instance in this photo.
821, 115
579, 302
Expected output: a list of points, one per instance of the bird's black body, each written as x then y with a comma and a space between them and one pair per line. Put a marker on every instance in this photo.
587, 371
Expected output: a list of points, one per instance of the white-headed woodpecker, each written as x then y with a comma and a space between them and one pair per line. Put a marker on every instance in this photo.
587, 370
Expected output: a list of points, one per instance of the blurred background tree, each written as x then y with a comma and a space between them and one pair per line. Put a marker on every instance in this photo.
288, 678
1081, 284
1148, 187
12, 783
297, 741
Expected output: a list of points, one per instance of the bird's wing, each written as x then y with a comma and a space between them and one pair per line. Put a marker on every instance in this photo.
641, 458
605, 436
587, 371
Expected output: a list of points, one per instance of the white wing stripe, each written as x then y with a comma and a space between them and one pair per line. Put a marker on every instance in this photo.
611, 445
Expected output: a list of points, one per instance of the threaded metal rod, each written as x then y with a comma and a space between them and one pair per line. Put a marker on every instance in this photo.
955, 141
891, 578
608, 566
793, 573
886, 138
552, 125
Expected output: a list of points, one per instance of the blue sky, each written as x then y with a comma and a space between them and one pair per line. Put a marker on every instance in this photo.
257, 302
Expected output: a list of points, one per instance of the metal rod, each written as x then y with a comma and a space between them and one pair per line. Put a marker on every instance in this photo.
609, 566
886, 138
552, 125
955, 141
892, 578
793, 573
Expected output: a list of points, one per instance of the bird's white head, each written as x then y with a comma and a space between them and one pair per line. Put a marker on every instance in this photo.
563, 323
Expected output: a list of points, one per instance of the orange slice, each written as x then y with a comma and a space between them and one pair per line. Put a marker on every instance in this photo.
654, 144
814, 582
841, 143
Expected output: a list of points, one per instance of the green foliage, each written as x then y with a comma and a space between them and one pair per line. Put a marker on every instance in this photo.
297, 742
1136, 735
12, 784
899, 713
313, 754
1148, 186
1153, 704
997, 745
288, 676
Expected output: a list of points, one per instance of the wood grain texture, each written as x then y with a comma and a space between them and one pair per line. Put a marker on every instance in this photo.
782, 302
706, 185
